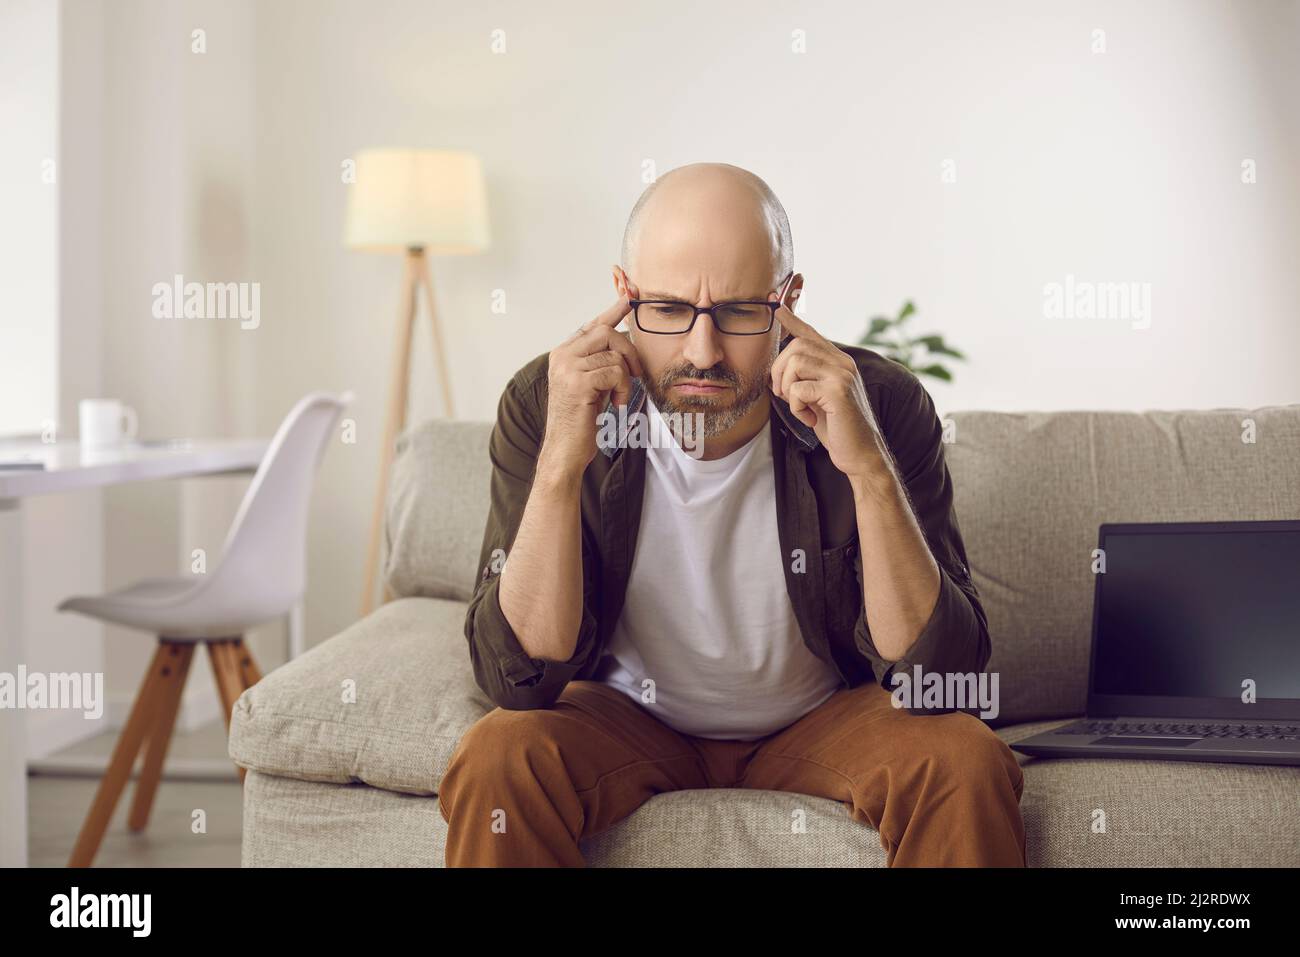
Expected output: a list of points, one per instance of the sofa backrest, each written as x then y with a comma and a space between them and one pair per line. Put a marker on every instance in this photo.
437, 509
1030, 491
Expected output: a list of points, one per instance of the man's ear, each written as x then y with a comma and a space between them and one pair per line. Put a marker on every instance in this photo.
792, 295
622, 284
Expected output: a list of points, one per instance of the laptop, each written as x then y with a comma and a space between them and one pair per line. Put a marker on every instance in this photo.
1190, 620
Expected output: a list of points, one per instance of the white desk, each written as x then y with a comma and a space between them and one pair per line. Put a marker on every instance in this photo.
68, 467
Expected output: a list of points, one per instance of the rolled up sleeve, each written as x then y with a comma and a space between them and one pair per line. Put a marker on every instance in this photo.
508, 675
956, 637
505, 672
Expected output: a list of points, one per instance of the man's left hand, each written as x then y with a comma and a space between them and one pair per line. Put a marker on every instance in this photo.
825, 392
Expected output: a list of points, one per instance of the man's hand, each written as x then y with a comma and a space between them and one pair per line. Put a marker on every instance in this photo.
583, 371
825, 392
900, 578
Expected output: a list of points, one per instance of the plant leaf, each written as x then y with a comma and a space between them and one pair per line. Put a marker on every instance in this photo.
906, 311
936, 345
938, 371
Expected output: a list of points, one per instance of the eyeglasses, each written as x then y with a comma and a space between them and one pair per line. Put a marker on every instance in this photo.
738, 317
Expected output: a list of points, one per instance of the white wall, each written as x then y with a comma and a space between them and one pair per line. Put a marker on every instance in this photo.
29, 215
47, 326
1121, 166
64, 534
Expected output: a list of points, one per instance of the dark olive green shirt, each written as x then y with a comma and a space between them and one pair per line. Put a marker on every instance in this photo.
816, 514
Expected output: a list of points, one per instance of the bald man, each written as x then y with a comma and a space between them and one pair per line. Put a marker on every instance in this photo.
647, 619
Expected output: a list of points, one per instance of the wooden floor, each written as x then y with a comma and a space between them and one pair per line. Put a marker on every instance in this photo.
57, 805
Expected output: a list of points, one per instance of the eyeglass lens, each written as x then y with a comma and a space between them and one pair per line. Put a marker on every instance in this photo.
738, 318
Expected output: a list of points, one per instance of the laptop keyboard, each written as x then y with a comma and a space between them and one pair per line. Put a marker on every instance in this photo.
1274, 732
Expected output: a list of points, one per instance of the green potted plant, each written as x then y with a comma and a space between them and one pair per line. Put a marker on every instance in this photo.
891, 339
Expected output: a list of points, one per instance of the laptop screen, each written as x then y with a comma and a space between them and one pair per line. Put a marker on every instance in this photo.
1195, 613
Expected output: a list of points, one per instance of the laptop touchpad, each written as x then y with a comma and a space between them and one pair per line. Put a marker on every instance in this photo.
1154, 742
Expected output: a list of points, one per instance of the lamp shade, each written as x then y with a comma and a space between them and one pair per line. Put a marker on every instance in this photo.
435, 199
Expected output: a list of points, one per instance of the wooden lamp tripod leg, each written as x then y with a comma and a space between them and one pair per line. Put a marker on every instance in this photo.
416, 277
439, 352
400, 391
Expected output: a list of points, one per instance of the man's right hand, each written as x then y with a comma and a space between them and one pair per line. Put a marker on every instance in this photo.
583, 371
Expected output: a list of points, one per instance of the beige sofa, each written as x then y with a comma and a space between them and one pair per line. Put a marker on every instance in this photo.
353, 783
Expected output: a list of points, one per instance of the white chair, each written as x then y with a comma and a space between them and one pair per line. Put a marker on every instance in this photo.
261, 575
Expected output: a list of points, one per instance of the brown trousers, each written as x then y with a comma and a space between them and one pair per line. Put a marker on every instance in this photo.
941, 790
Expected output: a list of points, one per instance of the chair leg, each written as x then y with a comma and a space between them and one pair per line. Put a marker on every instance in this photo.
247, 666
226, 671
179, 656
124, 754
249, 675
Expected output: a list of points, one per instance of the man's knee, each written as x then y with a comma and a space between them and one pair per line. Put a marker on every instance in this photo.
964, 750
496, 742
488, 757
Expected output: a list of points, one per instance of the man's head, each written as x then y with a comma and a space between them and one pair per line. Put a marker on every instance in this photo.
704, 234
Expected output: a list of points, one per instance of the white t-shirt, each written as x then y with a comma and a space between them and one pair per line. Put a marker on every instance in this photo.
707, 616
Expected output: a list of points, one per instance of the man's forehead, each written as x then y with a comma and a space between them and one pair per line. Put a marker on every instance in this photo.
684, 278
686, 292
720, 263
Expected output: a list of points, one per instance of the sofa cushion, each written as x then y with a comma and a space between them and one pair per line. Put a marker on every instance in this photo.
1160, 813
436, 509
415, 696
290, 823
1032, 488
1157, 814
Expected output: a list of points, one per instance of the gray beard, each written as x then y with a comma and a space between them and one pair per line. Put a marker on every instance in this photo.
716, 421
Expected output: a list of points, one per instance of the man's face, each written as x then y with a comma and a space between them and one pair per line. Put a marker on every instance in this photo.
706, 371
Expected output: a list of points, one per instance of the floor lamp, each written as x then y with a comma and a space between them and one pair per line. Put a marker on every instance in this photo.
420, 203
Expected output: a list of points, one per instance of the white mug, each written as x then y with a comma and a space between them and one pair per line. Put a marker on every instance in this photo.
103, 421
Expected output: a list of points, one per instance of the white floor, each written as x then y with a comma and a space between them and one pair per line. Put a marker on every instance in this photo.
57, 805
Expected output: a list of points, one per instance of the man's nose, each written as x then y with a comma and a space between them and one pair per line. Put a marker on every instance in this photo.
703, 346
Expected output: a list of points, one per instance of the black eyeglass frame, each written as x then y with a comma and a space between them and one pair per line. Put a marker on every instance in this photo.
774, 306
